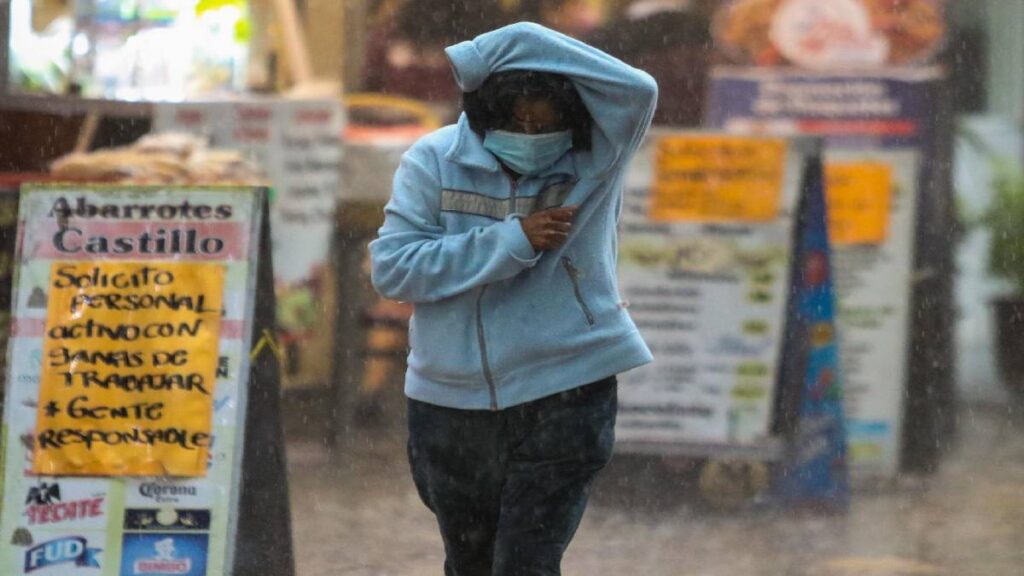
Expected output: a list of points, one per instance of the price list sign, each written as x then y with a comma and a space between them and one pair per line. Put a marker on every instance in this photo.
717, 179
129, 368
859, 198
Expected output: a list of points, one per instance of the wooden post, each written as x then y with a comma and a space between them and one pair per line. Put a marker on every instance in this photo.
5, 45
296, 49
87, 133
324, 18
354, 38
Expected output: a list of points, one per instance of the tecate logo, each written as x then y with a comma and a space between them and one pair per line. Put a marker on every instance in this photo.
163, 492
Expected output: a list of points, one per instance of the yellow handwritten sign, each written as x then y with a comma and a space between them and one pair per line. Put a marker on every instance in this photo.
129, 367
718, 179
859, 197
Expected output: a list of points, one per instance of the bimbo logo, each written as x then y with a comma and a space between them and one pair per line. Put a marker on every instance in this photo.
72, 549
164, 560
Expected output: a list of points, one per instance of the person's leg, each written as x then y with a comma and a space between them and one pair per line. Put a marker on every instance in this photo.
562, 442
457, 460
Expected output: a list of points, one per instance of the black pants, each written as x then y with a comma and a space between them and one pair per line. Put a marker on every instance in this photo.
509, 487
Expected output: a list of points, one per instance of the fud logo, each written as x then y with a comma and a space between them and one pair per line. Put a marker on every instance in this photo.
166, 554
70, 550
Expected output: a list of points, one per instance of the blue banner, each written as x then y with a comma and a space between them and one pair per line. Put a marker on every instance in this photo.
815, 473
882, 110
72, 549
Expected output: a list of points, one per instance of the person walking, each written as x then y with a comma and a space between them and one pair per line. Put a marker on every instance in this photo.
501, 231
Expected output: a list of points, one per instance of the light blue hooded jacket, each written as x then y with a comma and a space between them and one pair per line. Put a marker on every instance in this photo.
497, 324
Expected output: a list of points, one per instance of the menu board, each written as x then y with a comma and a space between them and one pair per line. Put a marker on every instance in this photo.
708, 294
873, 288
881, 136
127, 381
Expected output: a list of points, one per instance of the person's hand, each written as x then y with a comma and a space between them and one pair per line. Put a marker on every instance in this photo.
548, 229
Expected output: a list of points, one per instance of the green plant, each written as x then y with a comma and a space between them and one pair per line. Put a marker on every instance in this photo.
1004, 216
1005, 220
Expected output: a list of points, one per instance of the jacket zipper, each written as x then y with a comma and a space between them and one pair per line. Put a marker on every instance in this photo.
574, 276
488, 376
512, 195
480, 337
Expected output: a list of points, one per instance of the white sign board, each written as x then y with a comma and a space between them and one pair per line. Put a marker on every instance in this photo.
710, 299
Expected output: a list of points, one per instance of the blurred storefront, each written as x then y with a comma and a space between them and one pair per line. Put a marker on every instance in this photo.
220, 92
266, 79
861, 76
988, 157
907, 118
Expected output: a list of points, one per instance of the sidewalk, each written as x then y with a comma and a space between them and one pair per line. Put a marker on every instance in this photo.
359, 515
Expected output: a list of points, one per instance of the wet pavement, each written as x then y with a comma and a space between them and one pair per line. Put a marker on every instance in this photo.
358, 514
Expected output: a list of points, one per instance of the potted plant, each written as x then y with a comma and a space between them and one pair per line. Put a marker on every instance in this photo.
1005, 220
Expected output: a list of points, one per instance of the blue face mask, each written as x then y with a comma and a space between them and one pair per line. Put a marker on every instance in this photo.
528, 154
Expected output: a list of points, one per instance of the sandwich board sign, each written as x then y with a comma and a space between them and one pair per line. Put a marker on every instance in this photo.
883, 151
724, 263
140, 354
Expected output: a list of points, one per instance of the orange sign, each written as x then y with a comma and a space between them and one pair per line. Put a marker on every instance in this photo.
129, 367
718, 179
859, 197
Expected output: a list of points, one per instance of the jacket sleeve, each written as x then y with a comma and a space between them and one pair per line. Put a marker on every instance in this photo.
414, 261
621, 99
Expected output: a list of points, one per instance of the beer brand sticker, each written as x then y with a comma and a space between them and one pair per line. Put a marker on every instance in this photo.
163, 519
152, 493
129, 367
718, 179
49, 504
859, 196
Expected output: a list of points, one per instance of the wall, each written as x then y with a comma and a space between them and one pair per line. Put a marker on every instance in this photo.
1005, 19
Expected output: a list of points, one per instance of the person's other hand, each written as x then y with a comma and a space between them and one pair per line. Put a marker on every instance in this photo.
548, 229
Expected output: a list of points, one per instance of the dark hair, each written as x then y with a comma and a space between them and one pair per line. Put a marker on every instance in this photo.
490, 107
